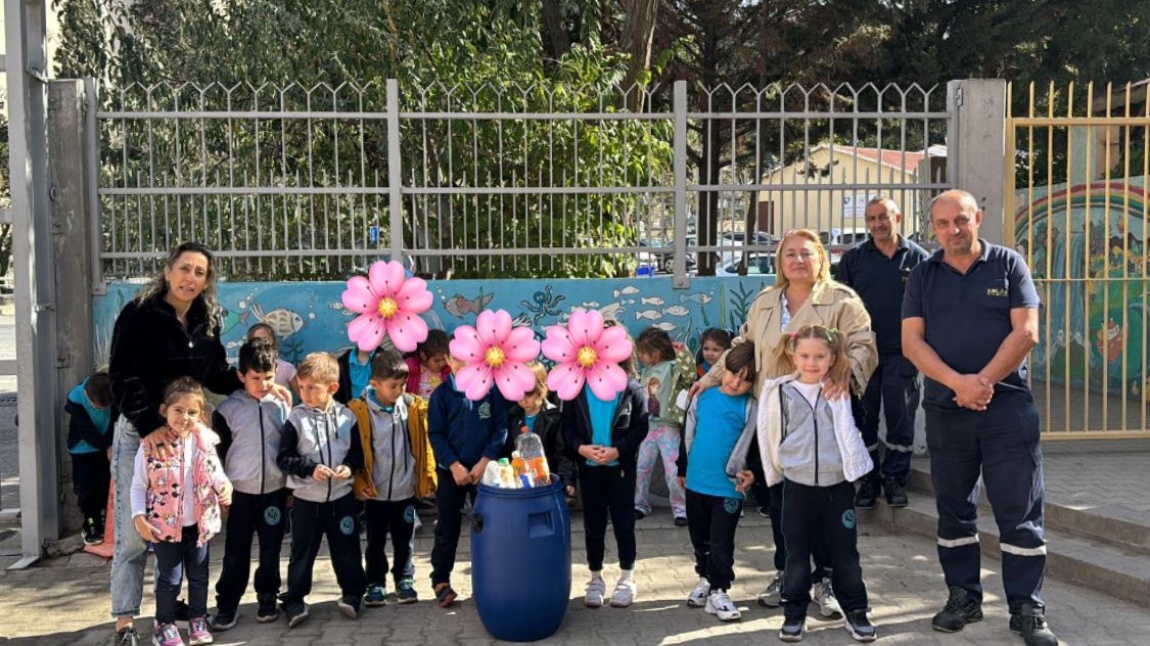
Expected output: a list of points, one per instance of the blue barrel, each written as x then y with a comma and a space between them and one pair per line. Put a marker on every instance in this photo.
521, 561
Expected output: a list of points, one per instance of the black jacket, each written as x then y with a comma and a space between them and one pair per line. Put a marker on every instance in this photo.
627, 431
150, 348
549, 428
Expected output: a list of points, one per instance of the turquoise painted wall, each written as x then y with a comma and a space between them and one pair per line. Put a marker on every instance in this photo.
310, 316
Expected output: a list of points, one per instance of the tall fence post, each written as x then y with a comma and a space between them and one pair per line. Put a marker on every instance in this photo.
27, 64
681, 280
394, 172
72, 248
976, 147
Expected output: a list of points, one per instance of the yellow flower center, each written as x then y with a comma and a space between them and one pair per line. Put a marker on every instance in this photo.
494, 357
388, 307
586, 357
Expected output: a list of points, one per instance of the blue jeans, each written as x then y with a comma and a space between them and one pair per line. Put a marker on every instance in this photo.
129, 555
173, 562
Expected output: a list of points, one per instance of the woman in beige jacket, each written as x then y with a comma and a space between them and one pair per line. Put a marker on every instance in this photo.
804, 294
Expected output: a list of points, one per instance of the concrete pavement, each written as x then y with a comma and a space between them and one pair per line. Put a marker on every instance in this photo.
65, 601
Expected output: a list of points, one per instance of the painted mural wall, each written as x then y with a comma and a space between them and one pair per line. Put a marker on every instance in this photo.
1087, 245
310, 316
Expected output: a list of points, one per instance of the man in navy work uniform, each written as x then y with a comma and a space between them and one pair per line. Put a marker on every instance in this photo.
878, 270
970, 316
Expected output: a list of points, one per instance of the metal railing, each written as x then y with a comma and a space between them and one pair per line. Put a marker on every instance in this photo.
294, 182
1077, 208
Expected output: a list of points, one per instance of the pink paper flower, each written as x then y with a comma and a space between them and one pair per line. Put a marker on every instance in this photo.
585, 352
494, 352
387, 303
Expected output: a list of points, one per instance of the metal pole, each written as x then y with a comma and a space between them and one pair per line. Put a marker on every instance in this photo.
681, 280
27, 61
394, 172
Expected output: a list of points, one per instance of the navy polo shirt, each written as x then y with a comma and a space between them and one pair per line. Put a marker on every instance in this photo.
967, 316
880, 282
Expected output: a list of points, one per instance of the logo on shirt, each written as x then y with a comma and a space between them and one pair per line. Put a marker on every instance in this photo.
849, 519
997, 292
347, 525
485, 411
272, 516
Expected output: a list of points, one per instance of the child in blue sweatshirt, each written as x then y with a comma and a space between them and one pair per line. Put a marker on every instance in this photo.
89, 408
465, 436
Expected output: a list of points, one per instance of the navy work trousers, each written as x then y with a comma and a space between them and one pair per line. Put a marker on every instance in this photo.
894, 388
1001, 443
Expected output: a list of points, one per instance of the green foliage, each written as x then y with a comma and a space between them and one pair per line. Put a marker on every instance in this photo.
265, 55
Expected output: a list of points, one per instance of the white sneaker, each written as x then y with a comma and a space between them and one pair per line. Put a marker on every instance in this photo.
596, 588
720, 605
625, 593
698, 596
773, 595
824, 595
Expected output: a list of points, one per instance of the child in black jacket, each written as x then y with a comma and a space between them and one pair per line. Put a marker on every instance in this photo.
543, 418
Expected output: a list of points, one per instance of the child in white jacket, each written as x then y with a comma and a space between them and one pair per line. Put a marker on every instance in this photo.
811, 445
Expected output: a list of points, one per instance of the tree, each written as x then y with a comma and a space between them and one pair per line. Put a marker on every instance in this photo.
490, 61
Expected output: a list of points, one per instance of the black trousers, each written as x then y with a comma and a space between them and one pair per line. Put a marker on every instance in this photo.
1000, 445
251, 515
809, 512
173, 562
91, 477
609, 490
395, 517
894, 388
819, 549
712, 521
449, 499
311, 522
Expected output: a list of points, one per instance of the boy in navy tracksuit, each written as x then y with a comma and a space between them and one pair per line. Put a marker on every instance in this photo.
89, 408
250, 425
321, 451
465, 436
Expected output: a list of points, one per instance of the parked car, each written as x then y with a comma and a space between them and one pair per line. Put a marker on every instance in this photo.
759, 263
739, 239
662, 253
839, 241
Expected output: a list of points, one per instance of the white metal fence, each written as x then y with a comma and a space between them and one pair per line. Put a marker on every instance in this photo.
292, 182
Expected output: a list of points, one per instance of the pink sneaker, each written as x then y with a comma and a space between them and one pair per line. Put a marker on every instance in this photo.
167, 635
198, 633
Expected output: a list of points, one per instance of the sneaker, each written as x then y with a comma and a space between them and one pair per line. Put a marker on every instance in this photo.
824, 595
296, 613
444, 594
349, 606
405, 592
640, 515
1030, 622
596, 588
765, 512
680, 521
266, 610
376, 596
127, 636
773, 595
860, 627
198, 633
961, 609
895, 493
224, 619
867, 493
624, 594
719, 604
793, 629
90, 533
167, 635
698, 596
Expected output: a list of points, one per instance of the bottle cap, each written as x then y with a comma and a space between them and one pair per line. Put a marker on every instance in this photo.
515, 454
504, 462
